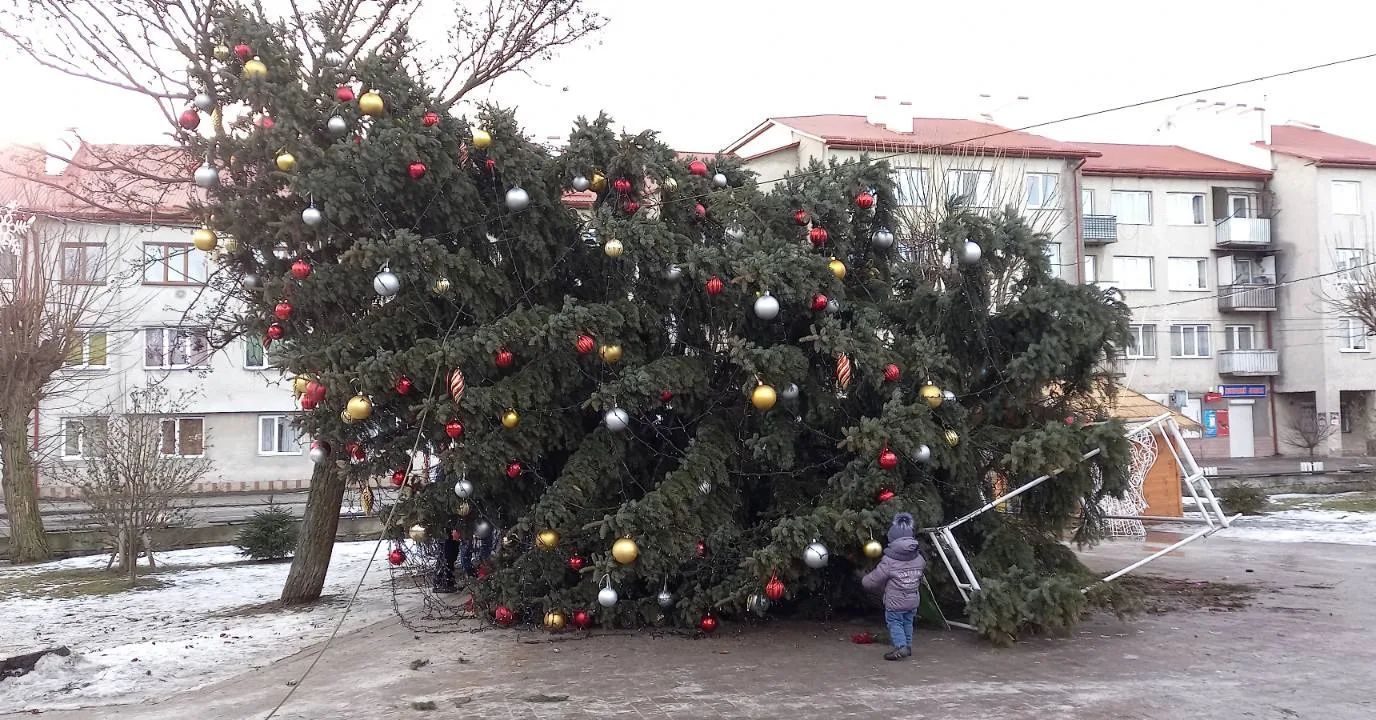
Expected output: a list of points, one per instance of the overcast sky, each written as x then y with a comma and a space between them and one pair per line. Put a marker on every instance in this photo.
707, 71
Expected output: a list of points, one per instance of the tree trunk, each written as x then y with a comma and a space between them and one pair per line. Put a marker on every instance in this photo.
316, 541
19, 478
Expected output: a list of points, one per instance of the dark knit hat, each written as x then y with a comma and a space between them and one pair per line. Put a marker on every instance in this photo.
902, 526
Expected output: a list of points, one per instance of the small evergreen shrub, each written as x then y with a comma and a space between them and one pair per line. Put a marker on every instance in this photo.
1242, 499
269, 535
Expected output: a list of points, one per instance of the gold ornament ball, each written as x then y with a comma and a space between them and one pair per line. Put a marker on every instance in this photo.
670, 184
286, 162
221, 52
463, 509
613, 248
952, 438
763, 397
599, 182
204, 239
344, 415
359, 408
873, 549
370, 103
838, 269
547, 540
482, 139
441, 286
299, 383
625, 551
510, 419
931, 393
554, 620
418, 533
611, 354
255, 69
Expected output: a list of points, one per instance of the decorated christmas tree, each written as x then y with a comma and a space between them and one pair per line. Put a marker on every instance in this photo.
688, 400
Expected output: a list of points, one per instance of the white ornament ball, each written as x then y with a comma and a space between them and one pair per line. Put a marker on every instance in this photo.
616, 419
207, 176
970, 253
665, 598
719, 180
790, 392
320, 452
463, 488
483, 530
948, 396
311, 216
386, 283
581, 183
334, 58
735, 232
517, 199
833, 305
923, 454
883, 239
674, 272
250, 282
766, 307
606, 597
815, 555
337, 125
203, 102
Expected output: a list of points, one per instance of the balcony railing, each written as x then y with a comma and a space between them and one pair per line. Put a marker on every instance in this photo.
1243, 232
1247, 296
1099, 229
1248, 362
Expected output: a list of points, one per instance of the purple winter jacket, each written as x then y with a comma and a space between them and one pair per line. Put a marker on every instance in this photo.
898, 575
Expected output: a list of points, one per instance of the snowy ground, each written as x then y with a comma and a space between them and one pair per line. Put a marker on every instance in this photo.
202, 625
1345, 518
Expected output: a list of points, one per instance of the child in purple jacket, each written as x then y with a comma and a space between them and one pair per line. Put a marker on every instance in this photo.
899, 577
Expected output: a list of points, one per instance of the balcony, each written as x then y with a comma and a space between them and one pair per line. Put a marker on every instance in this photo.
1099, 229
1248, 362
1247, 297
1241, 232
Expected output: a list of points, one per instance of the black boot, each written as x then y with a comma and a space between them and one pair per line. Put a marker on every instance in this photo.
897, 654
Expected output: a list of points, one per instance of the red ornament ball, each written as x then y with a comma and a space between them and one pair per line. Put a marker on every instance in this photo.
300, 269
818, 236
585, 344
189, 119
576, 562
276, 331
243, 51
483, 572
630, 207
397, 556
283, 310
404, 386
430, 119
453, 429
707, 624
666, 395
819, 302
888, 459
892, 373
715, 286
800, 217
621, 185
698, 167
774, 589
354, 448
266, 122
701, 549
416, 170
504, 359
490, 164
513, 469
315, 390
398, 477
885, 495
344, 93
700, 210
581, 619
864, 201
308, 402
503, 616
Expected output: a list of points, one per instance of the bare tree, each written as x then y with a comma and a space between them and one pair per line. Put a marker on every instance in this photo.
1308, 430
136, 474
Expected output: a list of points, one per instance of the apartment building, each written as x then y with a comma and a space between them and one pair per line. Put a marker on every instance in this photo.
146, 329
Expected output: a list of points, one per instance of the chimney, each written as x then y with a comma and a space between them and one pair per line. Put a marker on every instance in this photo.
60, 150
894, 115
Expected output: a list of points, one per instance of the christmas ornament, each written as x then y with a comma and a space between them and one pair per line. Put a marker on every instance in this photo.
673, 272
418, 533
705, 487
397, 556
300, 269
416, 170
386, 283
463, 509
510, 419
221, 52
708, 623
819, 302
952, 438
621, 185
719, 180
800, 217
441, 286
892, 373
838, 269
371, 104
311, 216
757, 604
580, 183
815, 555
774, 589
818, 236
697, 167
359, 407
334, 58
483, 530
517, 199
888, 459
463, 489
490, 165
630, 207
320, 452
625, 551
299, 384
404, 386
581, 619
599, 183
833, 306
482, 139
309, 403
513, 469
456, 385
250, 282
207, 176
616, 419
344, 93
766, 307
669, 184
336, 125
970, 253
255, 69
554, 620
842, 371
948, 396
286, 162
504, 358
265, 122
242, 51
276, 331
715, 285
700, 549
283, 310
606, 597
882, 239
576, 562
930, 393
735, 232
355, 450
763, 397
864, 201
873, 549
613, 248
430, 119
923, 454
666, 395
204, 239
700, 210
611, 354
585, 344
790, 392
503, 615
665, 598
398, 478
189, 119
547, 540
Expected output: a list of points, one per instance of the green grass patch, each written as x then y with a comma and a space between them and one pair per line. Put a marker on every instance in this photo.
63, 584
1345, 502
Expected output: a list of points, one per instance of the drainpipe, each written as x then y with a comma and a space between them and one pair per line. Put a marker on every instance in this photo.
1079, 224
1271, 387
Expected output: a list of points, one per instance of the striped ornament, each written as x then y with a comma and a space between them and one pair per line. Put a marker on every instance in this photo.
456, 385
842, 371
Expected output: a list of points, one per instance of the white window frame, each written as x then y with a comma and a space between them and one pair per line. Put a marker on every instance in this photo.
1086, 201
1340, 204
910, 186
1091, 269
957, 179
1052, 252
280, 423
1143, 336
255, 344
171, 335
159, 259
1177, 278
1041, 191
1347, 261
1232, 335
1194, 206
81, 426
1120, 281
85, 342
1194, 331
177, 421
83, 263
1352, 335
1116, 206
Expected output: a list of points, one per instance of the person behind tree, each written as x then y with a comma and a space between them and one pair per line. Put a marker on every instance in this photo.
899, 576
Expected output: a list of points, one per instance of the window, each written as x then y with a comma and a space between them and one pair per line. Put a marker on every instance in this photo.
9, 264
1086, 202
1091, 268
276, 436
175, 347
1133, 207
173, 264
1133, 273
1041, 190
1188, 274
1141, 341
81, 437
1243, 205
1249, 271
182, 437
1190, 341
1185, 208
83, 263
1348, 259
256, 357
1052, 251
1351, 335
1240, 337
89, 351
1347, 197
971, 187
910, 185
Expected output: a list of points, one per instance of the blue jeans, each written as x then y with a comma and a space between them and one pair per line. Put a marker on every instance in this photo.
900, 627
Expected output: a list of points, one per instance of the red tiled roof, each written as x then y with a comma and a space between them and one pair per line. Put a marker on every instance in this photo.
102, 182
1325, 149
579, 200
1163, 161
944, 135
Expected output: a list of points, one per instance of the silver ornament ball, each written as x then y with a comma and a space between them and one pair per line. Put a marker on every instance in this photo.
337, 125
970, 252
665, 598
207, 176
320, 452
386, 283
705, 487
517, 199
673, 272
581, 183
790, 392
758, 604
766, 307
606, 597
816, 555
203, 102
250, 282
463, 488
948, 396
735, 232
483, 530
923, 454
833, 305
719, 180
334, 58
616, 419
883, 239
311, 216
